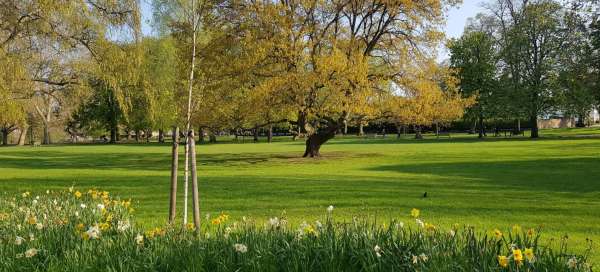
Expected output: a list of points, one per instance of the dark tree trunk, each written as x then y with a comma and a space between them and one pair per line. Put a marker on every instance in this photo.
398, 131
113, 135
418, 134
315, 141
148, 135
270, 134
212, 138
174, 168
481, 127
255, 134
4, 137
200, 135
127, 134
534, 126
46, 139
137, 136
161, 136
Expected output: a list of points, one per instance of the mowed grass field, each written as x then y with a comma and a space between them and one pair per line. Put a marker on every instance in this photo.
553, 182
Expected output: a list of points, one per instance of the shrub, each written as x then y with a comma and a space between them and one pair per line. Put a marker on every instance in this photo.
91, 231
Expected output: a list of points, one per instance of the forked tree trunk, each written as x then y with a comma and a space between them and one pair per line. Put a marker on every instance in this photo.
270, 134
23, 134
534, 126
46, 139
174, 168
195, 197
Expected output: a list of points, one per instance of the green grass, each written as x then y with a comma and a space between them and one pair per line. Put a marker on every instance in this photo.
551, 182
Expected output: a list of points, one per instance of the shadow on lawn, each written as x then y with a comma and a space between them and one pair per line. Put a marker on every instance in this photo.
54, 159
552, 174
459, 139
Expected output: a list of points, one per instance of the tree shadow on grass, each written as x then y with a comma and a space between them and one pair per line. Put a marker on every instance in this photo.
552, 174
54, 159
393, 140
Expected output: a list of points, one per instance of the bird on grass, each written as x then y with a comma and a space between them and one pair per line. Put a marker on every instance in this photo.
425, 195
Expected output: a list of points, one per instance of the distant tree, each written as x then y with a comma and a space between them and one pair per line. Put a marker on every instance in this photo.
473, 59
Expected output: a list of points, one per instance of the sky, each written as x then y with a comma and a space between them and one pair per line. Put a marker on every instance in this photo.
457, 18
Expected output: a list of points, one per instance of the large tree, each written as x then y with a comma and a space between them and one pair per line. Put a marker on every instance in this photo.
330, 59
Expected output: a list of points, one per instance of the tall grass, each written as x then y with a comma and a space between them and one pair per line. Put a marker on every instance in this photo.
92, 231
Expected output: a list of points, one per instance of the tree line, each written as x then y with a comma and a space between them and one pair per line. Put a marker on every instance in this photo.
312, 67
524, 59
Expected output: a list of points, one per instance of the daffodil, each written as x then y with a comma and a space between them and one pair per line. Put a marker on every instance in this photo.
497, 233
517, 256
572, 262
529, 255
415, 212
77, 194
31, 252
19, 240
241, 248
139, 239
503, 261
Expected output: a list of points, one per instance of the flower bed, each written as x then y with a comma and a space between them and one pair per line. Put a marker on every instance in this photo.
92, 231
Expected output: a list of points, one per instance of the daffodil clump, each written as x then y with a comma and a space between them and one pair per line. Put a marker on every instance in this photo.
77, 230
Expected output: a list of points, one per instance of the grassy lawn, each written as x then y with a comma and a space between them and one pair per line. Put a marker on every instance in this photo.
552, 182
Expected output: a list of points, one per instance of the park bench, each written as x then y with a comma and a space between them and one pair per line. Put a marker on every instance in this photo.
509, 132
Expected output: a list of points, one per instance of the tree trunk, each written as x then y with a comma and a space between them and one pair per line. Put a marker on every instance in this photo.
255, 134
481, 127
345, 127
113, 135
212, 138
23, 134
161, 136
4, 137
518, 124
46, 139
398, 132
418, 134
361, 132
186, 178
174, 168
534, 126
128, 134
437, 130
200, 135
137, 136
315, 141
148, 135
270, 134
195, 198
